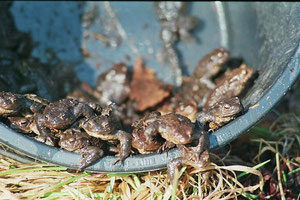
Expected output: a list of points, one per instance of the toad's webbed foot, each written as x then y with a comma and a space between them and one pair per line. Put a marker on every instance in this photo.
165, 147
197, 157
47, 139
89, 155
173, 165
203, 144
125, 145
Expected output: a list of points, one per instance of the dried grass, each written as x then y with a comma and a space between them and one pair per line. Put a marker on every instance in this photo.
43, 181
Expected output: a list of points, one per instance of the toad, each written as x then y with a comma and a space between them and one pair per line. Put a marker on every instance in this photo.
140, 141
11, 104
174, 128
195, 89
210, 65
107, 128
28, 125
221, 113
79, 142
37, 104
20, 105
232, 85
62, 114
199, 85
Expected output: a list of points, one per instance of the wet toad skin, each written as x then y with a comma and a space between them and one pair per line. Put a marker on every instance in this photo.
24, 124
196, 89
174, 128
36, 104
10, 103
211, 64
200, 84
62, 114
28, 125
101, 126
143, 144
231, 85
20, 105
107, 128
77, 141
73, 139
221, 113
22, 111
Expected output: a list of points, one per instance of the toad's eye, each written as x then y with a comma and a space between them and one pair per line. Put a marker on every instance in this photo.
227, 106
23, 123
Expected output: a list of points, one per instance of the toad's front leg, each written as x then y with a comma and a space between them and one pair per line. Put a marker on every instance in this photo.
151, 131
45, 135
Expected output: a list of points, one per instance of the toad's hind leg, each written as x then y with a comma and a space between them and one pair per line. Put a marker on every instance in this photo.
89, 155
125, 145
172, 167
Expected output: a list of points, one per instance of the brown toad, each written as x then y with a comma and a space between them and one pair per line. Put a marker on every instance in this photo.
107, 128
232, 85
77, 141
20, 105
140, 141
62, 114
221, 113
174, 128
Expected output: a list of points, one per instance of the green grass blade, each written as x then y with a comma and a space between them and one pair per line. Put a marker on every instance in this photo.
255, 167
137, 181
294, 171
284, 177
56, 195
17, 171
261, 132
99, 195
12, 167
250, 196
174, 190
119, 174
65, 183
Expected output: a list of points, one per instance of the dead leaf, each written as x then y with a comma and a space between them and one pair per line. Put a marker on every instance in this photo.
146, 90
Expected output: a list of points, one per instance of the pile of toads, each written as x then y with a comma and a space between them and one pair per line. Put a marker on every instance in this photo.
130, 112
